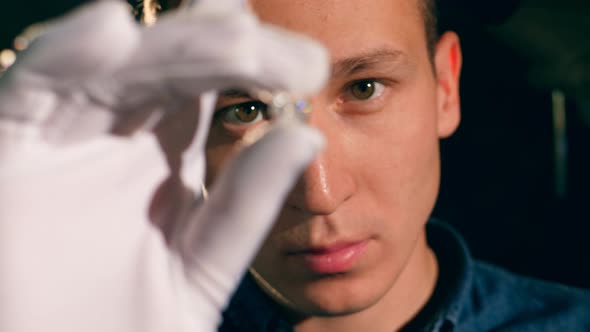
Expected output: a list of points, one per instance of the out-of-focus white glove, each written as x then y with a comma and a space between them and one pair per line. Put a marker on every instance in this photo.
78, 251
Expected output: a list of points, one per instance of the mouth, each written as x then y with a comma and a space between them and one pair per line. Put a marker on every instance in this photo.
331, 259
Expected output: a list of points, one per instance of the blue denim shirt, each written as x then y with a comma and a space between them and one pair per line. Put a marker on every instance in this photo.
469, 296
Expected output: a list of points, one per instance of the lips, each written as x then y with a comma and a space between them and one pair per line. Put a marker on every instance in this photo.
336, 258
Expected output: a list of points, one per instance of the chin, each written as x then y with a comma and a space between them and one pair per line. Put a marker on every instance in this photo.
338, 295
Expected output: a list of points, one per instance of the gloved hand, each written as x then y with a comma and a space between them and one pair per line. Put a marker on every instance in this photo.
78, 251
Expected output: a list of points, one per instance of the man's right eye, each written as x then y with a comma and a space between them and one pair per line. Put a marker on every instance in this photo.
243, 114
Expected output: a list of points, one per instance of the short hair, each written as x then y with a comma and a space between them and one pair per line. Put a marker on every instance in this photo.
428, 10
429, 13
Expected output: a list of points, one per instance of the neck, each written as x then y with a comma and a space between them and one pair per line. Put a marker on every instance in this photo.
403, 301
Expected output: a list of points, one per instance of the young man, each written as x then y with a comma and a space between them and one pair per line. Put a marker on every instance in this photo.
352, 249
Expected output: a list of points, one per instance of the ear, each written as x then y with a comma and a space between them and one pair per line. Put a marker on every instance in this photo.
447, 61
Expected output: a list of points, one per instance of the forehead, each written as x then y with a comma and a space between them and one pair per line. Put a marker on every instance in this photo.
348, 26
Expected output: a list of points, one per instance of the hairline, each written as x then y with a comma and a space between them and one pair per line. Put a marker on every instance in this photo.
428, 10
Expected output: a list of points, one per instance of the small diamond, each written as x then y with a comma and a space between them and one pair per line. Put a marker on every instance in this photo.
303, 107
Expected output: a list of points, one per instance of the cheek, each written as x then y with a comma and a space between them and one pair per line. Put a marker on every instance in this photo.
215, 159
401, 175
219, 149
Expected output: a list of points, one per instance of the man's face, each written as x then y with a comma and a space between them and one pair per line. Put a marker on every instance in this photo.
352, 223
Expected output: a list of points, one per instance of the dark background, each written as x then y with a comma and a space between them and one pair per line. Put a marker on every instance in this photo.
498, 184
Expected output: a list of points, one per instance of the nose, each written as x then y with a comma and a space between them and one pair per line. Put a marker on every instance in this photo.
328, 181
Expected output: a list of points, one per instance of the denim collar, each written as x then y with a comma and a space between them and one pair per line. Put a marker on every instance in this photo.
441, 313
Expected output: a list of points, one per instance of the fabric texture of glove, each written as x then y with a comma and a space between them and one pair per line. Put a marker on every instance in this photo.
78, 251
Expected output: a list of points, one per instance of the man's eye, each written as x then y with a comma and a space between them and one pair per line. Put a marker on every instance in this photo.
366, 89
244, 113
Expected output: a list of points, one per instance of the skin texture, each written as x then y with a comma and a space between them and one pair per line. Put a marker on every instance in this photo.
378, 177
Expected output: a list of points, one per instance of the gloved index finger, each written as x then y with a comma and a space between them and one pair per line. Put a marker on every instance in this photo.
199, 50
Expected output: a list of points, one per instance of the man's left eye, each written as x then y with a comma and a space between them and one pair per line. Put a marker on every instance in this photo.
243, 113
366, 89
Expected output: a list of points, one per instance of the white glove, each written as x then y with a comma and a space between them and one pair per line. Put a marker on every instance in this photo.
78, 251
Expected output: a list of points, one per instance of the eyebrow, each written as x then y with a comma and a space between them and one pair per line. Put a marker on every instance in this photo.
344, 67
235, 93
367, 60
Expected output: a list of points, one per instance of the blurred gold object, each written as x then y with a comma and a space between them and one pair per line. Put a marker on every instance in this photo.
270, 290
21, 43
149, 13
7, 58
